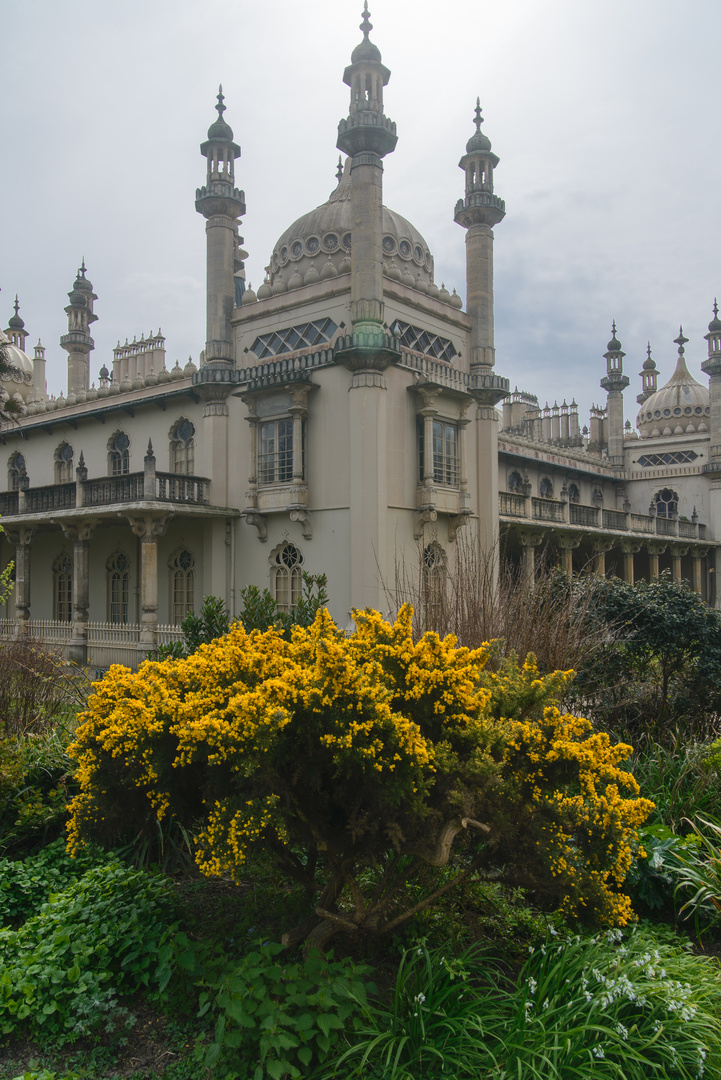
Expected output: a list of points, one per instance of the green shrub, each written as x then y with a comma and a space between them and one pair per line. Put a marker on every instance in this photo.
61, 972
283, 1017
36, 785
26, 884
655, 875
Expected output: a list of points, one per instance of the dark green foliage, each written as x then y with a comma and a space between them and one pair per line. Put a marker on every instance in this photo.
25, 885
36, 785
259, 612
661, 664
654, 876
276, 1018
61, 972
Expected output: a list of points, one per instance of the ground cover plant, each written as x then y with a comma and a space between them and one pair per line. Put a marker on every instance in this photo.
357, 763
476, 974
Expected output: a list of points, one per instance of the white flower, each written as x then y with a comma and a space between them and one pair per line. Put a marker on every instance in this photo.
532, 984
599, 1051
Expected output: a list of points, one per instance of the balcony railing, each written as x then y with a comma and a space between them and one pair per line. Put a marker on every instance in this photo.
512, 504
146, 486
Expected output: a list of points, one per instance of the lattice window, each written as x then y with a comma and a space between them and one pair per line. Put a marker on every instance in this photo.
63, 588
275, 451
17, 471
64, 464
118, 578
286, 576
679, 457
574, 495
446, 469
666, 502
422, 341
546, 488
182, 585
304, 336
434, 585
182, 448
119, 454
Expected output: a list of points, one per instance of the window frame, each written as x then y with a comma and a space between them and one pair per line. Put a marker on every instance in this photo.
181, 586
63, 570
446, 452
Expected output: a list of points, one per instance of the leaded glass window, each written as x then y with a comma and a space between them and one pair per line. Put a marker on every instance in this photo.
64, 464
182, 448
286, 576
63, 588
275, 452
445, 452
119, 454
118, 571
303, 336
182, 585
422, 341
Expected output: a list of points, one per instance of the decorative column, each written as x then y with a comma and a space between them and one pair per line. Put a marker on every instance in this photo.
629, 549
79, 534
567, 545
615, 383
221, 204
477, 213
455, 521
78, 343
148, 528
697, 555
299, 489
20, 538
529, 541
654, 550
677, 554
600, 547
250, 511
426, 509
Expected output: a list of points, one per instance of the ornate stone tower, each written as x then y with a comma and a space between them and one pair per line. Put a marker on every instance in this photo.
221, 204
366, 136
477, 213
16, 331
649, 377
78, 343
712, 367
614, 384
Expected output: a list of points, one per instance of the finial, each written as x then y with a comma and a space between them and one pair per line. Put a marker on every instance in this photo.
366, 26
150, 448
715, 308
648, 350
478, 118
82, 267
81, 461
220, 106
17, 304
680, 341
613, 328
339, 170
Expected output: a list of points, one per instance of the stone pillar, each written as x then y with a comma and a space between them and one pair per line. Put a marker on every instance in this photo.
567, 545
529, 542
697, 555
629, 549
79, 534
148, 528
654, 550
677, 554
367, 421
600, 547
149, 492
21, 538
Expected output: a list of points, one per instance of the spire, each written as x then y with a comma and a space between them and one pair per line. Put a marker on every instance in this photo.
366, 26
366, 128
339, 170
649, 376
220, 106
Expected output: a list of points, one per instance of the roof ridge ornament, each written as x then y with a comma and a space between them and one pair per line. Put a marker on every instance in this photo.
366, 26
221, 98
680, 341
339, 170
478, 119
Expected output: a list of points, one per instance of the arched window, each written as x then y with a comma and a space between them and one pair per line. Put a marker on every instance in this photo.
515, 480
182, 447
118, 578
63, 588
574, 494
16, 471
119, 454
666, 502
64, 464
546, 488
286, 576
182, 585
434, 585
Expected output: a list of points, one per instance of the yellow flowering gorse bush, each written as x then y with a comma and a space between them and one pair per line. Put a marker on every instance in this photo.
346, 754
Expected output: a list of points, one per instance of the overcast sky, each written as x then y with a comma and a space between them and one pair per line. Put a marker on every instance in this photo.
604, 116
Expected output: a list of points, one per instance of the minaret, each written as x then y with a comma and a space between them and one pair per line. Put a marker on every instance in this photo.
16, 328
366, 136
477, 213
649, 377
78, 343
40, 385
614, 384
221, 204
712, 367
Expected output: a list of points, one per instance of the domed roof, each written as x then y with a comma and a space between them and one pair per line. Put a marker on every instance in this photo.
16, 323
680, 407
219, 129
366, 50
325, 233
478, 141
715, 323
20, 379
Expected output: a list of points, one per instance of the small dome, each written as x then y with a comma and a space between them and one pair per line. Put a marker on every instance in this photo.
366, 50
679, 402
20, 378
478, 142
219, 129
715, 324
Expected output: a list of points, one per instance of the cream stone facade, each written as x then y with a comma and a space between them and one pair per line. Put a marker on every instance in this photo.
344, 418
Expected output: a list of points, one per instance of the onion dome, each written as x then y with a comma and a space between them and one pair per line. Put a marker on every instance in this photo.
190, 368
18, 379
104, 373
614, 344
680, 406
249, 297
715, 324
649, 363
324, 235
220, 129
366, 50
16, 323
478, 141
